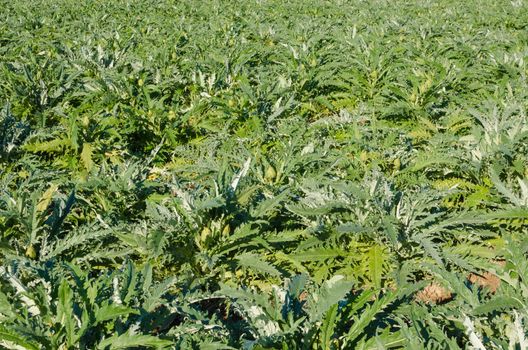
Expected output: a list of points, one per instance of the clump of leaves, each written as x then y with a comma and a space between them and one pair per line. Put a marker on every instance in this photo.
296, 175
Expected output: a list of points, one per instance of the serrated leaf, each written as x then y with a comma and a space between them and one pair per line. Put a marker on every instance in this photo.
5, 306
215, 346
127, 340
317, 254
368, 316
86, 156
331, 292
46, 198
156, 240
65, 311
52, 146
388, 339
11, 340
432, 160
266, 207
154, 296
112, 312
296, 284
376, 258
328, 326
253, 261
499, 303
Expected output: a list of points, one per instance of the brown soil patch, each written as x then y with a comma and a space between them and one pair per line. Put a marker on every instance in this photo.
433, 293
487, 279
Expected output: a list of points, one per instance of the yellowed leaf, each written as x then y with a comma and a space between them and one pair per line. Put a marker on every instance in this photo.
46, 198
86, 156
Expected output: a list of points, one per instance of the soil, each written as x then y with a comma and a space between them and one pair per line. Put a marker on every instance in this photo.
434, 293
487, 279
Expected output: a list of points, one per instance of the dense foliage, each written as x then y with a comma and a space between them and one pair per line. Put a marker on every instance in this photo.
263, 174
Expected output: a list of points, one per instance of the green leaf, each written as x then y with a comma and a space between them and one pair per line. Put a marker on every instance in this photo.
5, 306
317, 254
513, 213
376, 261
11, 340
112, 312
499, 303
130, 282
388, 339
254, 262
266, 208
86, 156
52, 146
128, 340
327, 329
65, 311
156, 240
46, 198
432, 160
214, 346
331, 292
153, 298
368, 316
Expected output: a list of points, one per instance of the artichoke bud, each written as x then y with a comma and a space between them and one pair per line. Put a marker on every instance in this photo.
31, 252
85, 121
363, 156
206, 232
397, 164
226, 231
270, 173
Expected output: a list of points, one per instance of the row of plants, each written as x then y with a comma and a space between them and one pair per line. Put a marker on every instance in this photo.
263, 175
